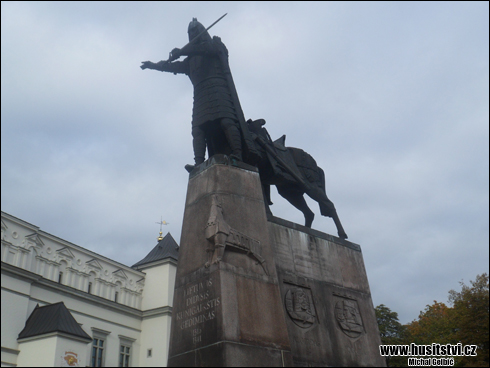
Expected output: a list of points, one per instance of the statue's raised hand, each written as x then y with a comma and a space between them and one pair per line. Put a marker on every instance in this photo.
147, 65
175, 54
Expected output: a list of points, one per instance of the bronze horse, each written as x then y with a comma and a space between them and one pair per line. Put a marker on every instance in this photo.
294, 173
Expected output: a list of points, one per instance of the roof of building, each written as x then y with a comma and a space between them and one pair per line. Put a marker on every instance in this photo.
52, 318
166, 248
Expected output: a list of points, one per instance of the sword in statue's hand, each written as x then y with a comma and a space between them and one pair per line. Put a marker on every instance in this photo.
176, 53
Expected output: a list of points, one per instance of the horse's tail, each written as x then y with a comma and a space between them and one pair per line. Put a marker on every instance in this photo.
322, 179
326, 208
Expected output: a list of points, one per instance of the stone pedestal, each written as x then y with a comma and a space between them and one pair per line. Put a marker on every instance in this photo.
227, 308
252, 291
326, 297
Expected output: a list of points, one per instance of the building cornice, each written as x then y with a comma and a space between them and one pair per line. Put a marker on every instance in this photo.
66, 243
38, 280
55, 334
156, 312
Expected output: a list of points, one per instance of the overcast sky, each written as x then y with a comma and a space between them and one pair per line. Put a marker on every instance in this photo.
390, 98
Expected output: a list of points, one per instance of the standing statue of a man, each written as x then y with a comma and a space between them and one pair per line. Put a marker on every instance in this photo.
216, 113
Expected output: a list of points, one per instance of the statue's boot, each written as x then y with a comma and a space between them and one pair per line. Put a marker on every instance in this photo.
189, 168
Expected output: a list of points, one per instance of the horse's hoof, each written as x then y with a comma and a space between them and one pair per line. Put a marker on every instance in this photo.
343, 236
309, 220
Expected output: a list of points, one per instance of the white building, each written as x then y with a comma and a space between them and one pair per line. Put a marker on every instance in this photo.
63, 305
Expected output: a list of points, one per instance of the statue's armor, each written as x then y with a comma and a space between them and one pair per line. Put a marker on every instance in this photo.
215, 98
212, 99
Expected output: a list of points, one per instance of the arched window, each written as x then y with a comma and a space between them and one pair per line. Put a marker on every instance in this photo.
117, 294
62, 273
91, 282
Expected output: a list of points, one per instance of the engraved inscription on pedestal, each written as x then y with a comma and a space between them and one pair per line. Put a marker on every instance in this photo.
200, 306
348, 316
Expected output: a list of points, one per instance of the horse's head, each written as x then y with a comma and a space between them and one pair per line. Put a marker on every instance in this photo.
255, 125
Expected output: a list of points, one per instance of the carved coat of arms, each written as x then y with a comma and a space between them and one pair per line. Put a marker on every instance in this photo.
300, 307
348, 318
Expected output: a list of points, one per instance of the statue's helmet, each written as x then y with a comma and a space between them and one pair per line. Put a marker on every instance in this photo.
196, 28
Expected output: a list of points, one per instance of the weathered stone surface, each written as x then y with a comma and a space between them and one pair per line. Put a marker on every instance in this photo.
229, 354
281, 294
325, 291
227, 313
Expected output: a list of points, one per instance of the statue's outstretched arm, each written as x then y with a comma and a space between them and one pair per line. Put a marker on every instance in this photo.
175, 67
193, 49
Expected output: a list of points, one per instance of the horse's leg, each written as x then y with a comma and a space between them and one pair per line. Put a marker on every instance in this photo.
340, 229
266, 192
297, 200
327, 208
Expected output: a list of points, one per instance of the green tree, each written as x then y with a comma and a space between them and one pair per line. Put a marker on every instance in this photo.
471, 319
392, 332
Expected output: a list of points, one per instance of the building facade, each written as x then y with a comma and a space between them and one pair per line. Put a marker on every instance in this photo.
64, 305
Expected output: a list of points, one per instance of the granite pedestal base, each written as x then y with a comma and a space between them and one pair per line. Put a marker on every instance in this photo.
227, 308
258, 291
326, 297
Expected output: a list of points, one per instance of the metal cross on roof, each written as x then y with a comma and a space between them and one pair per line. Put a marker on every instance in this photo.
161, 223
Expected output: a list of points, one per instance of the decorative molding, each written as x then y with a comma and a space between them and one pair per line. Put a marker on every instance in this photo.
35, 238
48, 261
37, 279
16, 247
65, 252
105, 282
4, 227
128, 339
156, 312
121, 274
94, 264
100, 331
78, 272
133, 292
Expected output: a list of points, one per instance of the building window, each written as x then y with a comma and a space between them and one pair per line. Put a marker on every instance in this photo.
124, 355
125, 350
60, 277
97, 352
148, 355
99, 347
115, 296
89, 288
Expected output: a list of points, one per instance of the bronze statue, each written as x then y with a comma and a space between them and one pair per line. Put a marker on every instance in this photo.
217, 118
294, 173
219, 125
